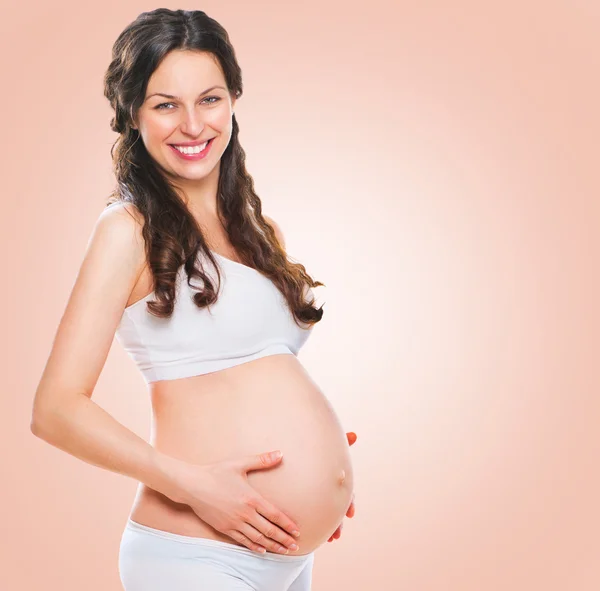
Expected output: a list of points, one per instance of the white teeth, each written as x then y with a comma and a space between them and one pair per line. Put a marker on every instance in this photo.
192, 150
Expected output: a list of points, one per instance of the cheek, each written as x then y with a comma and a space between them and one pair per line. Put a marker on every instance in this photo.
220, 120
160, 129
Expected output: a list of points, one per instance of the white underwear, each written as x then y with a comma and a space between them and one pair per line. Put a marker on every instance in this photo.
156, 560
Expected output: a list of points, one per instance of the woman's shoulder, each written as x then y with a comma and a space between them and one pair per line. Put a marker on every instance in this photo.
124, 210
123, 222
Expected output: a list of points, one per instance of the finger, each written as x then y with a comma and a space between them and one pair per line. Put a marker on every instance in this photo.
274, 515
334, 533
260, 461
272, 532
351, 505
352, 437
351, 511
242, 539
259, 538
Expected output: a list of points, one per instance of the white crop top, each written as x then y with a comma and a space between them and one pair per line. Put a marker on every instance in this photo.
251, 319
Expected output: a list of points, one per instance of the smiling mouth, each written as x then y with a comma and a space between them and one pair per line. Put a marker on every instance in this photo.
196, 152
193, 147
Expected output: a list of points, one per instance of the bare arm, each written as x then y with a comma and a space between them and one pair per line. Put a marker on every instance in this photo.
65, 416
63, 413
85, 430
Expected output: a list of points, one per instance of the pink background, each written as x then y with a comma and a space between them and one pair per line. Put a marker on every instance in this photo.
436, 165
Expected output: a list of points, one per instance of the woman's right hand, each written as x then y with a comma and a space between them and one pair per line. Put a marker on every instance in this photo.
219, 493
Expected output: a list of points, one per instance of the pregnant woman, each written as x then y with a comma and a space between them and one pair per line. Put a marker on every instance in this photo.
194, 281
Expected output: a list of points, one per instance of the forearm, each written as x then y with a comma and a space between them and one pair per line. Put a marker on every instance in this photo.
86, 431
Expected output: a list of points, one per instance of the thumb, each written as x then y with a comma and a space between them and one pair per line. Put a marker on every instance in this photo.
260, 461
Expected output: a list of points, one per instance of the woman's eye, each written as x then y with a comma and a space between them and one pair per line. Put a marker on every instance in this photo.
216, 99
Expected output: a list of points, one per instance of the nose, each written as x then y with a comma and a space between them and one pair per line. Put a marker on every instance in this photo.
192, 123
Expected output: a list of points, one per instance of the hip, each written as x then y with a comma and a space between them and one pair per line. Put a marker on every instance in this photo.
151, 559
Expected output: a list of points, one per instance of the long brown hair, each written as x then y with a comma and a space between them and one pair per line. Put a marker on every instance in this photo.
172, 236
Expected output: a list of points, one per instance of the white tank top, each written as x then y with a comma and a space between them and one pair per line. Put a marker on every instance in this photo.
251, 319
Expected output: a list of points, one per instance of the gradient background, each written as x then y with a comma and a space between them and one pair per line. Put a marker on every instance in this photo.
435, 164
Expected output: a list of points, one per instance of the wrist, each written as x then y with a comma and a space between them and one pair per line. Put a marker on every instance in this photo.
167, 476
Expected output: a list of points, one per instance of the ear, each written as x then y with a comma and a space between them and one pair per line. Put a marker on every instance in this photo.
277, 230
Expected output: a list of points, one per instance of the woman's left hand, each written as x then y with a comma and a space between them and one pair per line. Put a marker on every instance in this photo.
350, 513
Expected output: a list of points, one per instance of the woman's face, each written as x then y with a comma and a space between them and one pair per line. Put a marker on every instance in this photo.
199, 108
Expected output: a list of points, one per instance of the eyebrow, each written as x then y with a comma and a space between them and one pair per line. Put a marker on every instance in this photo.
170, 96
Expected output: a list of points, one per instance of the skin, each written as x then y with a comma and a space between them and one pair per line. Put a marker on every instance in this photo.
163, 121
192, 116
351, 509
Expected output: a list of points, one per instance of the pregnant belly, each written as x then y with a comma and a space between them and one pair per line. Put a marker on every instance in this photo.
260, 406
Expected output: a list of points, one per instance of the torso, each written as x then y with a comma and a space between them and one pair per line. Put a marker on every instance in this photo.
262, 405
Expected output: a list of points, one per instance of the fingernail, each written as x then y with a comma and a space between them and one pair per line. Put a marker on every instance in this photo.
296, 533
275, 455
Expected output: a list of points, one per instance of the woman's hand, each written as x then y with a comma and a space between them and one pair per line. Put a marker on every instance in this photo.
219, 493
350, 513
